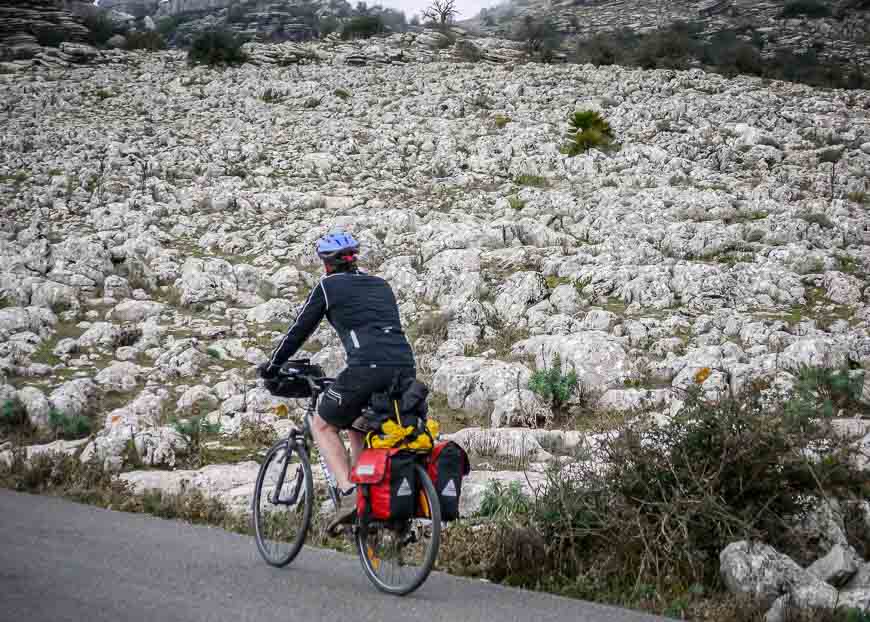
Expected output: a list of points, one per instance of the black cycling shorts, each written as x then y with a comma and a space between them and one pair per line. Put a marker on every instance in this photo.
344, 401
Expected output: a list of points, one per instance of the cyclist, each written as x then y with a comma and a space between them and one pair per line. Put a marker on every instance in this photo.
362, 309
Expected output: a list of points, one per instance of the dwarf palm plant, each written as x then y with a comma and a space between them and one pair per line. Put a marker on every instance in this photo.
587, 129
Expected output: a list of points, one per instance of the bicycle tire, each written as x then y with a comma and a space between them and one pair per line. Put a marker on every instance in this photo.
362, 544
302, 516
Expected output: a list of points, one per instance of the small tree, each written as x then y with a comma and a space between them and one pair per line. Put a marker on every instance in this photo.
362, 27
216, 47
441, 13
540, 35
100, 27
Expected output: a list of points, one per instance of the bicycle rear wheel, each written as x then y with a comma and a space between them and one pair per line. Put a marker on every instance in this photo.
282, 504
397, 559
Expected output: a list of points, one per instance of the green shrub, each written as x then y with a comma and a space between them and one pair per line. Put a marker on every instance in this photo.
13, 413
362, 27
236, 14
195, 430
69, 426
100, 27
662, 501
49, 37
554, 386
147, 40
502, 502
588, 129
167, 25
217, 47
808, 8
516, 203
823, 392
541, 36
610, 48
526, 179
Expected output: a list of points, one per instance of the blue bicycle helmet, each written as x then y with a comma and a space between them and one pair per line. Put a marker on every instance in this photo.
337, 248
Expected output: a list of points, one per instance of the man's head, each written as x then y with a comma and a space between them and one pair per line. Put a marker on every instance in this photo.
338, 252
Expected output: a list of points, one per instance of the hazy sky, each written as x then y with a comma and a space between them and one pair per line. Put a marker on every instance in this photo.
467, 8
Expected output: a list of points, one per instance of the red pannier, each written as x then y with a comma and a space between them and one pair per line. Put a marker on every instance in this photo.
448, 464
386, 484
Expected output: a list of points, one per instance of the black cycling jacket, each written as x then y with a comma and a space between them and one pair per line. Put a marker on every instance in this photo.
362, 309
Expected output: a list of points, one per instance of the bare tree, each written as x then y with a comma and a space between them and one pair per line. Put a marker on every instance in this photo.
441, 12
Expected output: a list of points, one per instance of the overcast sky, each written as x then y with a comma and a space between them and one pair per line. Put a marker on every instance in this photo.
467, 8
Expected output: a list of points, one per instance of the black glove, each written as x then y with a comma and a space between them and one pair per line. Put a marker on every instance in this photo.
268, 371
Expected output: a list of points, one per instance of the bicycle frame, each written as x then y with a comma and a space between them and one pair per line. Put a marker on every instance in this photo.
302, 440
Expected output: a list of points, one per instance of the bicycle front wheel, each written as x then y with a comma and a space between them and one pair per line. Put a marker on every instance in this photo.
282, 504
398, 558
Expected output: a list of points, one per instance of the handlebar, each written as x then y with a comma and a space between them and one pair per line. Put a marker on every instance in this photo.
318, 384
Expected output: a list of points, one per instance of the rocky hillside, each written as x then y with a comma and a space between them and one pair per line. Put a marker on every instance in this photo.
160, 221
843, 32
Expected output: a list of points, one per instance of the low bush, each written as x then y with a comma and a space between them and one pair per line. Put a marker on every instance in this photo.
588, 129
362, 27
824, 392
195, 430
148, 41
651, 510
100, 27
13, 414
49, 37
504, 502
807, 8
730, 52
516, 203
216, 47
69, 426
554, 386
527, 179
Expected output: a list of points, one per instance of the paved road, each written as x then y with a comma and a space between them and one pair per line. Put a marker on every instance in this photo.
63, 561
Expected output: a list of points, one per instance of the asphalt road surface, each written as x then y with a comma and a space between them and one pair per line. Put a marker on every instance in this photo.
63, 561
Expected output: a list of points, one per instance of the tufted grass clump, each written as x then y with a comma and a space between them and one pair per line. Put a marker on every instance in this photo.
516, 203
535, 181
587, 130
501, 120
216, 47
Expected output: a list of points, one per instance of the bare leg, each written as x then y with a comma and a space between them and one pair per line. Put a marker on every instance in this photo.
333, 451
356, 445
